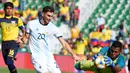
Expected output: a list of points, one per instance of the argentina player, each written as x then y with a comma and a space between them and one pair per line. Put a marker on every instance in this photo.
39, 32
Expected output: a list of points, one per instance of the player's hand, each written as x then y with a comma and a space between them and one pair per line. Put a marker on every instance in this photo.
21, 45
20, 42
19, 39
24, 40
95, 56
75, 57
109, 61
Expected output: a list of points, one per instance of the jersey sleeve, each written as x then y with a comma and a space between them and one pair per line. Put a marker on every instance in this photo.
120, 61
28, 28
57, 32
104, 50
20, 23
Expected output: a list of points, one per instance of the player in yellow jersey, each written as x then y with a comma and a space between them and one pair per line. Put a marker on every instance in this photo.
80, 46
95, 37
74, 32
10, 32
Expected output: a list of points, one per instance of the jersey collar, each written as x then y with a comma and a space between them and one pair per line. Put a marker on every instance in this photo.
8, 17
42, 23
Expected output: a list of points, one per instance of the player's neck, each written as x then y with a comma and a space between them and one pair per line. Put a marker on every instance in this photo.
8, 16
42, 22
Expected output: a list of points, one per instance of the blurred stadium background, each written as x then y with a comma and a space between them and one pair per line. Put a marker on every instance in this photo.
113, 11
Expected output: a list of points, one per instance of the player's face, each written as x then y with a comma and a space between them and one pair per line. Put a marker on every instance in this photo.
9, 11
114, 52
47, 17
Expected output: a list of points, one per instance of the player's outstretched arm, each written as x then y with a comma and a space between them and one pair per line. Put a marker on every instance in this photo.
67, 47
116, 69
110, 63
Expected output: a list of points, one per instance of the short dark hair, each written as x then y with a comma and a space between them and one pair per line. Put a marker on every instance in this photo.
48, 9
117, 44
8, 4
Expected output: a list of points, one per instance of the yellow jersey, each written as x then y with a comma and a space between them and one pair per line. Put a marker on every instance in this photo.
108, 34
104, 38
95, 35
10, 27
80, 46
74, 33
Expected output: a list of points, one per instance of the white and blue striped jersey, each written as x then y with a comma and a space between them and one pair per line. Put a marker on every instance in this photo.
39, 42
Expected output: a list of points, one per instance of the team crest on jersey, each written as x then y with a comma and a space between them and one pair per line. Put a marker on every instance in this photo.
13, 22
45, 33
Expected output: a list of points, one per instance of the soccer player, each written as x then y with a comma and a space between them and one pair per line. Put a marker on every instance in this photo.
38, 32
10, 25
113, 58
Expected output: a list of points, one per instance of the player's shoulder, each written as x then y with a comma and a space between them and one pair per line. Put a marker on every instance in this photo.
121, 57
52, 25
1, 16
16, 17
106, 48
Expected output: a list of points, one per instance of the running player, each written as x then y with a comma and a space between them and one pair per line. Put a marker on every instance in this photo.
10, 25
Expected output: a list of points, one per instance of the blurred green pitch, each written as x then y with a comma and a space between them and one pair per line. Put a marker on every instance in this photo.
5, 70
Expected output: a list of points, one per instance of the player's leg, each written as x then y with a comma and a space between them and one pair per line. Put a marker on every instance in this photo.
53, 67
85, 65
39, 65
40, 68
10, 57
4, 51
10, 60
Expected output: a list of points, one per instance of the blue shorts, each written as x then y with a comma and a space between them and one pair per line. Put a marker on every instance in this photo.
9, 51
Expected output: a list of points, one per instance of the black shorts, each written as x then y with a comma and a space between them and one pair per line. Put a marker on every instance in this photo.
129, 64
9, 51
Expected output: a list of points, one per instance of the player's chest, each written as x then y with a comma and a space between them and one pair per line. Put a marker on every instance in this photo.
41, 32
8, 24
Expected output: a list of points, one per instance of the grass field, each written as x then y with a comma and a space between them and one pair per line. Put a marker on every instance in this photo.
5, 70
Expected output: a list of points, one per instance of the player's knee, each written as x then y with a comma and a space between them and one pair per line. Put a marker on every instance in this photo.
9, 62
77, 66
9, 65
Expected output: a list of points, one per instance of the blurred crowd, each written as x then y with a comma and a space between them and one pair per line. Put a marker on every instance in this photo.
90, 44
65, 10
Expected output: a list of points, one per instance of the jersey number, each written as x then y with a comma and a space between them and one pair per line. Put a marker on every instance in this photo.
41, 36
11, 53
8, 29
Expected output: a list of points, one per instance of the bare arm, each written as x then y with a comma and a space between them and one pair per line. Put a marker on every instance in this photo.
20, 38
67, 47
23, 32
116, 69
25, 38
